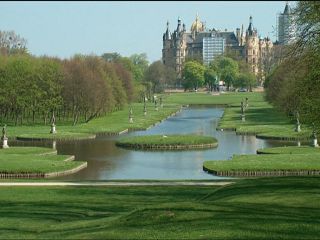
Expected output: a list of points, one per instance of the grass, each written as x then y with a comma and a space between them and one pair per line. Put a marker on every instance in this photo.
230, 98
153, 141
267, 162
264, 121
17, 160
271, 208
289, 150
112, 123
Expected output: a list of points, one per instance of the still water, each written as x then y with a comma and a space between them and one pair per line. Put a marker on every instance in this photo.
107, 161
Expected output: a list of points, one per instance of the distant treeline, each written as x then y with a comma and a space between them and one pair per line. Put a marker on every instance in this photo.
75, 90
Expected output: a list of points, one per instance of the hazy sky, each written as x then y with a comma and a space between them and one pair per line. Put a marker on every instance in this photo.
63, 29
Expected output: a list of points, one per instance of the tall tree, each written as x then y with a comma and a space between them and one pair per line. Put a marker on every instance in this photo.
193, 75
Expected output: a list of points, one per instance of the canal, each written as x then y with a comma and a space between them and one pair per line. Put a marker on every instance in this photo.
107, 161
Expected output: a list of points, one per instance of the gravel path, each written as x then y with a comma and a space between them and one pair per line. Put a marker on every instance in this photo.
128, 184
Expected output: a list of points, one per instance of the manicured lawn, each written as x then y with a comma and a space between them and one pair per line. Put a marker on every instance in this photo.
33, 160
267, 162
111, 123
232, 98
153, 141
264, 121
289, 150
271, 208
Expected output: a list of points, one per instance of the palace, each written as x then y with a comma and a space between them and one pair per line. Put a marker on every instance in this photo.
206, 44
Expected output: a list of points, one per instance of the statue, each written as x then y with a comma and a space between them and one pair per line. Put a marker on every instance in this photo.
242, 112
144, 107
156, 104
130, 115
53, 124
4, 137
314, 136
4, 131
247, 102
298, 127
161, 104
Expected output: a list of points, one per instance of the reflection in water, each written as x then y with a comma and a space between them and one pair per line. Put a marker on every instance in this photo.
106, 161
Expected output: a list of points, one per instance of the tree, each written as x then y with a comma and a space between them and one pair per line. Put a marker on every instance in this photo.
245, 80
156, 75
211, 78
11, 43
193, 75
227, 69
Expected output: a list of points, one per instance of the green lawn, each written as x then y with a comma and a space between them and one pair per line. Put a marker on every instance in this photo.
152, 141
264, 121
111, 123
16, 160
289, 150
272, 208
232, 98
267, 162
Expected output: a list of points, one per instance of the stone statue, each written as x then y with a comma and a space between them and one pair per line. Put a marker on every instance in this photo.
4, 131
156, 104
4, 137
298, 127
314, 136
242, 108
131, 115
247, 102
53, 124
161, 104
144, 107
242, 111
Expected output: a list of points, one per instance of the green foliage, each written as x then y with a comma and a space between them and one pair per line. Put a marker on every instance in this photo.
193, 75
245, 80
294, 85
211, 78
227, 69
289, 150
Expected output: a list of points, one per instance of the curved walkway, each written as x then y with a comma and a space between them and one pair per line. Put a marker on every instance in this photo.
128, 184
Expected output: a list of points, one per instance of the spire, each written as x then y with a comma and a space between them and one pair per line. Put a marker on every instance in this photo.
287, 9
167, 34
250, 28
179, 25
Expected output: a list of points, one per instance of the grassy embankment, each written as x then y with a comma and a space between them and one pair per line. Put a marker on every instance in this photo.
34, 161
270, 161
167, 142
262, 119
270, 208
112, 123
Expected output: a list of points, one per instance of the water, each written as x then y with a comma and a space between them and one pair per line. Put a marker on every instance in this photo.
107, 161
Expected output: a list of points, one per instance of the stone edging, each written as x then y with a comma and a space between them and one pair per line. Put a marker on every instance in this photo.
167, 147
271, 173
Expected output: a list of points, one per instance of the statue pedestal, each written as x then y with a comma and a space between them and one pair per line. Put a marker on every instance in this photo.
299, 144
53, 129
145, 113
54, 145
5, 142
298, 128
130, 120
315, 143
243, 118
157, 109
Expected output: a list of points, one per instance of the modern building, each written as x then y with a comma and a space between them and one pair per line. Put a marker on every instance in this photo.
213, 47
205, 45
286, 30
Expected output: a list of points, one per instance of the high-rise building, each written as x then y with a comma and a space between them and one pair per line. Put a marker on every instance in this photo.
213, 47
285, 26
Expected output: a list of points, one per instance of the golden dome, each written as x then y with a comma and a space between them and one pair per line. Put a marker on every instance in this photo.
197, 26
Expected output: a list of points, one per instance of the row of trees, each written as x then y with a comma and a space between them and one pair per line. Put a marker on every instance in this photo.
77, 89
294, 85
233, 73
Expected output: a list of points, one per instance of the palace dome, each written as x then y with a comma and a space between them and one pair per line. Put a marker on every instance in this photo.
197, 26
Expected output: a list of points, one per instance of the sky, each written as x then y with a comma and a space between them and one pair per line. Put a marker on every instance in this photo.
62, 29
